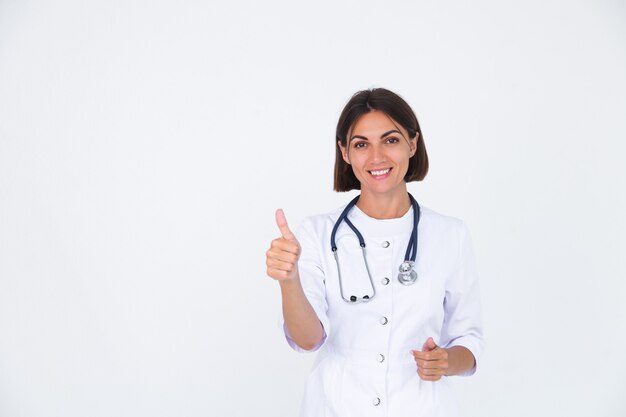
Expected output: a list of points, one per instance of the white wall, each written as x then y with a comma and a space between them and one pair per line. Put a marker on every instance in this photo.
144, 147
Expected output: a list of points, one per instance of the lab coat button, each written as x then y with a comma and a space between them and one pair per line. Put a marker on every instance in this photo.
385, 244
381, 358
385, 281
376, 401
384, 320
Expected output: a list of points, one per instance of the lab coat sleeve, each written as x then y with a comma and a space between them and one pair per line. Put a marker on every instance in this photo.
463, 316
312, 278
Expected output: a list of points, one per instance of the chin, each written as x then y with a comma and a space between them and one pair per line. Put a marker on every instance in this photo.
381, 188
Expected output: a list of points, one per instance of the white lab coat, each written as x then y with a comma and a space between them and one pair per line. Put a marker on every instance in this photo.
364, 366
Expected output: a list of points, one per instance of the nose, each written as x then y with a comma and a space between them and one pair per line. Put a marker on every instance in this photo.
378, 154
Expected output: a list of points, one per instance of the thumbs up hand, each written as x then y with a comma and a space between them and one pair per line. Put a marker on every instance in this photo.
284, 252
432, 361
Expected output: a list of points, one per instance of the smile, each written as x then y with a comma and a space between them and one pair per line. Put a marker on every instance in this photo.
380, 173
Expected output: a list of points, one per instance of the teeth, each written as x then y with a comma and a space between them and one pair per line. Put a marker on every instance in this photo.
381, 172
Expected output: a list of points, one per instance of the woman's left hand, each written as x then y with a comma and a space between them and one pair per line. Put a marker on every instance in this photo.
432, 361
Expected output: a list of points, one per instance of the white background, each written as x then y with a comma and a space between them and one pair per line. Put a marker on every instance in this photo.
145, 145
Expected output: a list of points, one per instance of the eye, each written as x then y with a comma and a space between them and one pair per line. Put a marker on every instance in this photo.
360, 144
393, 139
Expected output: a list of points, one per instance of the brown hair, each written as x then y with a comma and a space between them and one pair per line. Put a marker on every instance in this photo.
393, 106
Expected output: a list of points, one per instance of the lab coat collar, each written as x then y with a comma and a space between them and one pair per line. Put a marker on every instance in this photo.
381, 227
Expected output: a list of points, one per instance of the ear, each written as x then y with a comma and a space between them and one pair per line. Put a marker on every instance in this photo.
344, 152
413, 144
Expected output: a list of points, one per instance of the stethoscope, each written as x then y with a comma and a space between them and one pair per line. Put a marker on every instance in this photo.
407, 274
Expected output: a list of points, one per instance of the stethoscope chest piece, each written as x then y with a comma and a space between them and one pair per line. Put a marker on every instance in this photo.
407, 275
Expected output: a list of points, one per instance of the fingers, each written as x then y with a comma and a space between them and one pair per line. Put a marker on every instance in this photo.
281, 221
429, 376
431, 370
278, 274
282, 259
432, 365
282, 256
280, 265
429, 344
283, 245
432, 362
431, 355
434, 359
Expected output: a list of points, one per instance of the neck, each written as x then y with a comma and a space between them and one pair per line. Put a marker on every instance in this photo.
390, 205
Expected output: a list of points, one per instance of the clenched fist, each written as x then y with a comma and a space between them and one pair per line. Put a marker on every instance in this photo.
284, 252
432, 361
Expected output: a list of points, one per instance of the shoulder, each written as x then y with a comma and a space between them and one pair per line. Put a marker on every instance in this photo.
438, 219
316, 229
318, 223
331, 216
448, 227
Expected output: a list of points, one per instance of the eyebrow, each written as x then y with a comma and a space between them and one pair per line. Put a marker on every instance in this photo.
381, 136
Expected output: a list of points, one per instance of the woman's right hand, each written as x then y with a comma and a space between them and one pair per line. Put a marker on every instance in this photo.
284, 252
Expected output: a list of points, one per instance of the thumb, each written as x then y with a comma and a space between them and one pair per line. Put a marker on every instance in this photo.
429, 345
281, 221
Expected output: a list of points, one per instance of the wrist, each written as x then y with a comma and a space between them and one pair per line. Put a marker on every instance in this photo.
460, 360
290, 283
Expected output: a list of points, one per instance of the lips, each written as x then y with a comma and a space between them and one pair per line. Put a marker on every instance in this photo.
380, 172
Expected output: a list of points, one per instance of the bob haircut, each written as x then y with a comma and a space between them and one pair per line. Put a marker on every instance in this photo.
393, 106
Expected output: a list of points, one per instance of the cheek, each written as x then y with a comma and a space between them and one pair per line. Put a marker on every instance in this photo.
402, 156
357, 159
358, 168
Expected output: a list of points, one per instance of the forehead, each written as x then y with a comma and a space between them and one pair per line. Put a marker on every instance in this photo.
374, 122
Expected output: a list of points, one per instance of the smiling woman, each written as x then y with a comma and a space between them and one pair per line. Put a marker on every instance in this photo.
379, 152
388, 352
401, 121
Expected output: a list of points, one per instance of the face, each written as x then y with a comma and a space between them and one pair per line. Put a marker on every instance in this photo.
378, 149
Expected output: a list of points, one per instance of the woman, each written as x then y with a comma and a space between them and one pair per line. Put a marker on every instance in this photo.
384, 288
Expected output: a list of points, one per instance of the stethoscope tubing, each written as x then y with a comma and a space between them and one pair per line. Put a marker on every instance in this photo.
410, 255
